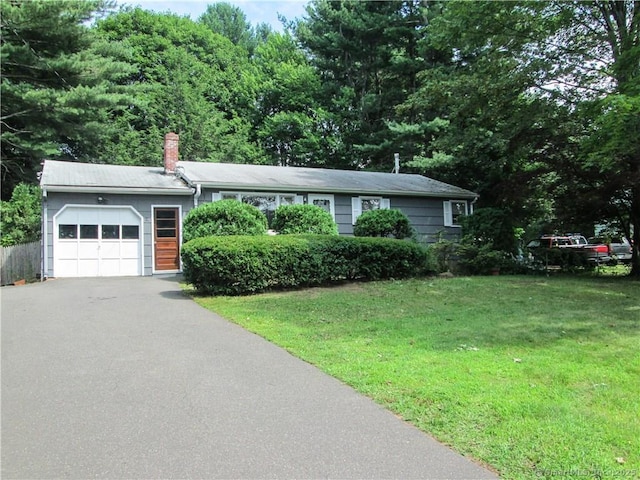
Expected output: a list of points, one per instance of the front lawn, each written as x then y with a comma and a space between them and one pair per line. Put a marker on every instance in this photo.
536, 377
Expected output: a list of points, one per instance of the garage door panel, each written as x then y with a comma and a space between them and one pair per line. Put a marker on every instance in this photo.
88, 267
129, 249
110, 267
67, 250
88, 250
110, 250
129, 266
66, 267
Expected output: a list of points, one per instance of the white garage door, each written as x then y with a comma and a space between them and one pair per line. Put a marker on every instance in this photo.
97, 242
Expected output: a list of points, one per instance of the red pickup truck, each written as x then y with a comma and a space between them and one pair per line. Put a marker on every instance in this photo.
597, 254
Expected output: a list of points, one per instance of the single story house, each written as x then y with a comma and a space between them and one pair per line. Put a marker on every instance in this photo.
116, 220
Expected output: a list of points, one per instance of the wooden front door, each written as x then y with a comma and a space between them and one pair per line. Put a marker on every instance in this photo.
166, 237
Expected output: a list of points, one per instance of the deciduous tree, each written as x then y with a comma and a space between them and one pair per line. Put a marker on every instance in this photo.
192, 81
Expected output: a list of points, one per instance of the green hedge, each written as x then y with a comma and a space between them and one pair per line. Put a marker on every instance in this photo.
224, 217
236, 265
299, 219
383, 223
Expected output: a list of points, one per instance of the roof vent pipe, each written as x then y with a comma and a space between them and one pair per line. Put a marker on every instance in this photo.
171, 142
396, 157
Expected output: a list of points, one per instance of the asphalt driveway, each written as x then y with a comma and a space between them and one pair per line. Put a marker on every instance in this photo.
128, 378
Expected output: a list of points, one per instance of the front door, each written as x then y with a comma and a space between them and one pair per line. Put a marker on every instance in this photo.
166, 237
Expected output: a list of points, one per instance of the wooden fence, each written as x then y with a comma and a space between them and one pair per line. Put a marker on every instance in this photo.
20, 262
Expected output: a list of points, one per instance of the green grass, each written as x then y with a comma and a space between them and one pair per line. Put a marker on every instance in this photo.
534, 376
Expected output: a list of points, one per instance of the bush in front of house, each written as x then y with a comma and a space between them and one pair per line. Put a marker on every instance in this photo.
224, 217
489, 245
237, 265
20, 217
472, 259
491, 226
383, 223
300, 219
565, 259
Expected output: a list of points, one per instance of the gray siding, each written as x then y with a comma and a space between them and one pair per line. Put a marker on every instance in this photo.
141, 203
427, 218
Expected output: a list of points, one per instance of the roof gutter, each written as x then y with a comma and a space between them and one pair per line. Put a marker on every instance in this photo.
348, 191
117, 190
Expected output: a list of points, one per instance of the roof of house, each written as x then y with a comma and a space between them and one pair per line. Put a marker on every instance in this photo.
88, 177
321, 180
91, 177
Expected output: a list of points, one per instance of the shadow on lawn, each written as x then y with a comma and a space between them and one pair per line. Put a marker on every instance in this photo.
442, 315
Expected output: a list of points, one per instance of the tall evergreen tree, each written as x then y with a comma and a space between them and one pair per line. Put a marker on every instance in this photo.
56, 88
366, 54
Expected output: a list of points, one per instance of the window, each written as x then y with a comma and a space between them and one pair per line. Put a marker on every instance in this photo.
130, 232
110, 232
265, 202
166, 222
88, 232
359, 205
68, 231
454, 210
325, 202
286, 200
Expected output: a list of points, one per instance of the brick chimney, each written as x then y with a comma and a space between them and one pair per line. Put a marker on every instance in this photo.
171, 142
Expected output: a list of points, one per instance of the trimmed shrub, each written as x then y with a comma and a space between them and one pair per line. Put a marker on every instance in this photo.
225, 217
383, 223
236, 265
300, 219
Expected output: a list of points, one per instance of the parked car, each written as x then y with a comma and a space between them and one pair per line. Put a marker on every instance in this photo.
587, 253
619, 247
551, 241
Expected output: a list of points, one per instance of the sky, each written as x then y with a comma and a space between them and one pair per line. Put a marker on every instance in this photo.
257, 11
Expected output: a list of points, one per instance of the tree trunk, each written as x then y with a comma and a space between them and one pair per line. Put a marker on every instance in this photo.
635, 222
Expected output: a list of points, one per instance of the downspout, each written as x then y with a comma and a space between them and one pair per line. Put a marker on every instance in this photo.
197, 188
44, 261
472, 203
197, 194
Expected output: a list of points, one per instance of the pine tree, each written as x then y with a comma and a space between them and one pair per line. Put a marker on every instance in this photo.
56, 85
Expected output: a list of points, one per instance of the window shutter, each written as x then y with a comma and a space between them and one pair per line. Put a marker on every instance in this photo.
448, 217
215, 196
356, 209
385, 204
299, 200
